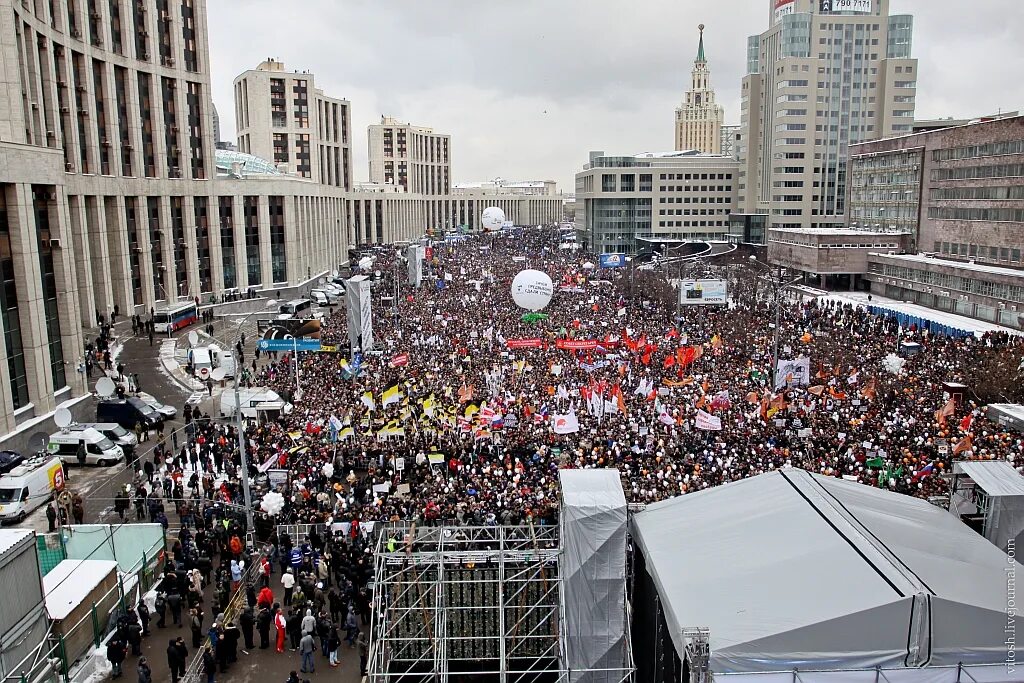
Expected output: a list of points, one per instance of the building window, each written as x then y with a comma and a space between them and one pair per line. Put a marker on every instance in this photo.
251, 209
9, 311
227, 241
278, 260
41, 200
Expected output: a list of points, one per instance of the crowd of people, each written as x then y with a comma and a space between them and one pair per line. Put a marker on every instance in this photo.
467, 407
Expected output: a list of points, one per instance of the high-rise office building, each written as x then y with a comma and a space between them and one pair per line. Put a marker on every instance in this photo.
824, 75
283, 117
414, 157
699, 118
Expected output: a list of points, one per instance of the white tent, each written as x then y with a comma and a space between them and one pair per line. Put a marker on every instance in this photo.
790, 570
994, 490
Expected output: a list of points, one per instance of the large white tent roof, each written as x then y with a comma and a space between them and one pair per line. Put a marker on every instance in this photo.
790, 570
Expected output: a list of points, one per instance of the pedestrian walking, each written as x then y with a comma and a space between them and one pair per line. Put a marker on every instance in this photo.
145, 673
307, 646
177, 656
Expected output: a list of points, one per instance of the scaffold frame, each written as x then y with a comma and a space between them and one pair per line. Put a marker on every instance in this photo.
459, 601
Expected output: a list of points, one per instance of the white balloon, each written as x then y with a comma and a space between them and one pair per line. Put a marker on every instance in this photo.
492, 218
328, 470
272, 503
532, 290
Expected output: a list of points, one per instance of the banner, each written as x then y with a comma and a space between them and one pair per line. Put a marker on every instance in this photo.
576, 344
414, 254
703, 292
400, 360
708, 422
277, 477
613, 260
523, 343
565, 424
792, 372
359, 313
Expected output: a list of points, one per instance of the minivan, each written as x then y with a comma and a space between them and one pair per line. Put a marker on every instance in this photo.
99, 450
28, 486
127, 412
122, 437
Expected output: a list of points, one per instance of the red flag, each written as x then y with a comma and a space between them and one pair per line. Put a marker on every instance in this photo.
669, 361
646, 358
965, 424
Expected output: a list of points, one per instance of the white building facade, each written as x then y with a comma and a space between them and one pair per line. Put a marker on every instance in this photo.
699, 118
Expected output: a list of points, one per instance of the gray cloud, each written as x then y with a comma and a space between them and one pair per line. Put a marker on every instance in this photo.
527, 88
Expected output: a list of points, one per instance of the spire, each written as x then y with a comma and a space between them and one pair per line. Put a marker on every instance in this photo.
700, 48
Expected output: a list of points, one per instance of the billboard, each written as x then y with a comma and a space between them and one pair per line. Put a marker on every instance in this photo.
696, 292
613, 260
830, 6
290, 327
782, 8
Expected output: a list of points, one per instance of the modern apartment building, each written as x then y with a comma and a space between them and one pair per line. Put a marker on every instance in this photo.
282, 116
699, 118
823, 76
414, 157
654, 197
110, 192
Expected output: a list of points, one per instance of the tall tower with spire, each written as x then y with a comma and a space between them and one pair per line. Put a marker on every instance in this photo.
699, 118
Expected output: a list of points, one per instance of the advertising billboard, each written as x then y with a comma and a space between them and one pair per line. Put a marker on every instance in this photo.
831, 6
289, 327
694, 292
613, 260
782, 8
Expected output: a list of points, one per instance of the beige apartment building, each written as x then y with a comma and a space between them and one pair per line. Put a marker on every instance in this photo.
699, 118
823, 76
282, 116
414, 157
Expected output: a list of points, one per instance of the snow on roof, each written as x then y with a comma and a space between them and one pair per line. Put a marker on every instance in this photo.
960, 322
71, 581
964, 265
11, 537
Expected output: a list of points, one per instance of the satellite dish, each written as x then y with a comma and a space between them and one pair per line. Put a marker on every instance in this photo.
334, 273
218, 374
62, 418
193, 338
105, 387
37, 442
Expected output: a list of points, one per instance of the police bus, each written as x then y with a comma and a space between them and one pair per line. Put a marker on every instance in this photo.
174, 317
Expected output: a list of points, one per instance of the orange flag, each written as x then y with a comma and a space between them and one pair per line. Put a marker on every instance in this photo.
702, 402
838, 395
869, 391
963, 445
806, 337
817, 390
752, 397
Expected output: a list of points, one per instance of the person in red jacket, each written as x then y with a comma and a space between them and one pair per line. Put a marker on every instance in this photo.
265, 598
280, 623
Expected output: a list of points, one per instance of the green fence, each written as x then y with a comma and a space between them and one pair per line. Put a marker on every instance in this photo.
51, 551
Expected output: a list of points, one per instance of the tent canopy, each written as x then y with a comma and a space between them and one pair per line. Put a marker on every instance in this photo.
995, 477
792, 570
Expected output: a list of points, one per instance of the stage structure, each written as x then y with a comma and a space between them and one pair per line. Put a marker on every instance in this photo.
461, 604
359, 313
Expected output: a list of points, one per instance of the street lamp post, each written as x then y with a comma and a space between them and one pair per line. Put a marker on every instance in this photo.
776, 279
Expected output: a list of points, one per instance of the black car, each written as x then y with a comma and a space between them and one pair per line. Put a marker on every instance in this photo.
127, 413
9, 460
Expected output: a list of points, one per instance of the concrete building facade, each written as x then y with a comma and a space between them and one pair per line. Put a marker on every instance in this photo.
831, 257
699, 118
110, 196
655, 196
414, 157
282, 116
824, 75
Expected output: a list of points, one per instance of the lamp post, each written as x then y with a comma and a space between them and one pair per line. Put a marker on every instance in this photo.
776, 279
239, 427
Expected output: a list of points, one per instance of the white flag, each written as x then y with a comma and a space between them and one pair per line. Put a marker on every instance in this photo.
565, 424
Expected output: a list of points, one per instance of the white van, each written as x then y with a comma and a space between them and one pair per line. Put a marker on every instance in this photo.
258, 403
320, 297
226, 362
116, 433
99, 450
202, 363
28, 486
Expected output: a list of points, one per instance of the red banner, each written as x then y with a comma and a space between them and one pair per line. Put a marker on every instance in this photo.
576, 344
400, 360
523, 343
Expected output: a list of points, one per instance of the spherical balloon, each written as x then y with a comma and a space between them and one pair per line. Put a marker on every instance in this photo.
492, 218
532, 290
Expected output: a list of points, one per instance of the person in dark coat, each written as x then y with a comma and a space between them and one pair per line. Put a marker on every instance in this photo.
115, 655
247, 621
263, 626
145, 673
177, 656
209, 665
143, 612
135, 639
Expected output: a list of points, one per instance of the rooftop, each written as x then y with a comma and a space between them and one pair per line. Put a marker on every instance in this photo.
251, 165
837, 232
963, 265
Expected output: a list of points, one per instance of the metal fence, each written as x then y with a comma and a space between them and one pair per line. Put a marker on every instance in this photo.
64, 645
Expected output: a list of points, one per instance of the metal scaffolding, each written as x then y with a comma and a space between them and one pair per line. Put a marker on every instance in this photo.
466, 603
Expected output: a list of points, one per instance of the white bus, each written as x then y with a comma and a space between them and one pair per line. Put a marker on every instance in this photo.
174, 317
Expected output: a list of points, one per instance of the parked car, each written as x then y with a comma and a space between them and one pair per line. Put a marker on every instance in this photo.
168, 412
127, 412
9, 460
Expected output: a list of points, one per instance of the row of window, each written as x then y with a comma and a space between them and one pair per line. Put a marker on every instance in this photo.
693, 200
976, 214
992, 192
951, 282
695, 188
974, 151
692, 176
970, 172
981, 251
693, 212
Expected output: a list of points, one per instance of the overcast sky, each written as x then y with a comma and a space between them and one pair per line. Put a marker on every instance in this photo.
527, 88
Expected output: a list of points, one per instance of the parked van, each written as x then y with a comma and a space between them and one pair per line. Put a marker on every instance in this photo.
28, 486
74, 446
202, 363
320, 297
226, 361
296, 308
127, 412
122, 437
258, 403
